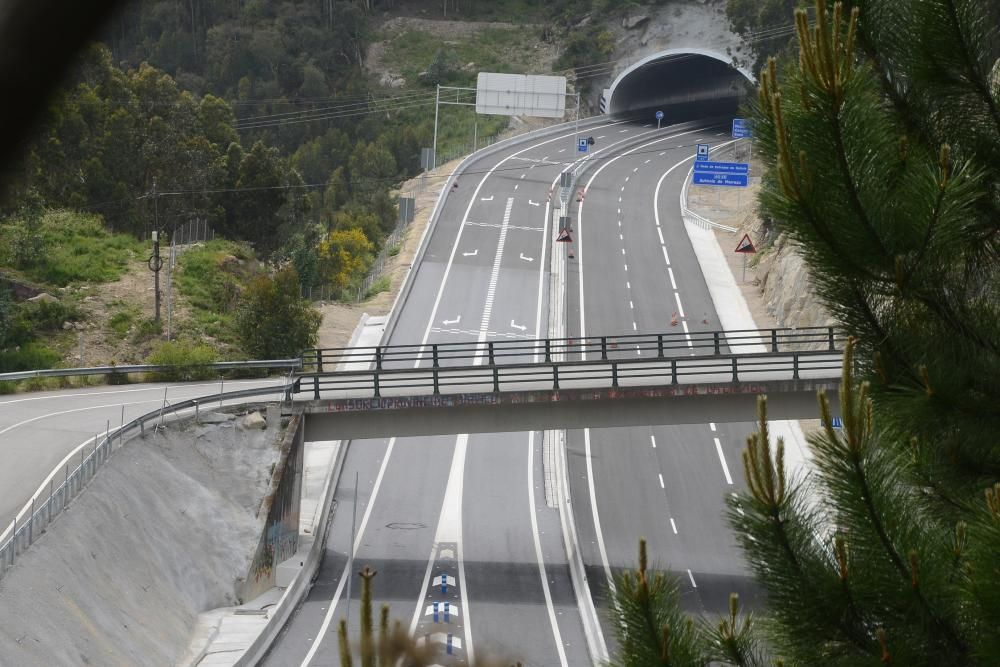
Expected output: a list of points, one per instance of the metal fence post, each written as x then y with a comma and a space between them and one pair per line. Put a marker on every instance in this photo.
555, 377
378, 357
673, 371
659, 345
832, 346
489, 346
548, 350
774, 340
437, 389
614, 373
496, 380
434, 352
736, 377
718, 349
795, 365
375, 383
604, 348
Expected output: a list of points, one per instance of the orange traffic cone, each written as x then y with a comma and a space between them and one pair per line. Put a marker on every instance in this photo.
673, 320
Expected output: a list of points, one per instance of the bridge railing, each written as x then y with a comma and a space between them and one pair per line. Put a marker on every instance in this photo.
552, 364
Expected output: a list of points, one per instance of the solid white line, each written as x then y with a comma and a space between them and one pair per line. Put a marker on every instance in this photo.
652, 439
491, 291
711, 425
691, 576
680, 308
538, 553
673, 525
156, 387
673, 283
661, 481
593, 509
325, 626
722, 460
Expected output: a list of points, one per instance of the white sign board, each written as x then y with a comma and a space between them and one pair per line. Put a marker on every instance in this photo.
521, 94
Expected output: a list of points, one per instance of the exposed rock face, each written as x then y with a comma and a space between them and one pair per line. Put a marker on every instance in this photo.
254, 420
633, 22
787, 288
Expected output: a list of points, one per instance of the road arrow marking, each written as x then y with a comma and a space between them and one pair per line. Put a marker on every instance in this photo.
519, 327
533, 203
490, 198
527, 259
454, 321
471, 254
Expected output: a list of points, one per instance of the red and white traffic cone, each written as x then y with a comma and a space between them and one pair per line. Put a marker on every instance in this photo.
673, 319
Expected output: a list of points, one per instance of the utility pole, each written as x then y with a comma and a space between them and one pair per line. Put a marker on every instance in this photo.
437, 102
155, 263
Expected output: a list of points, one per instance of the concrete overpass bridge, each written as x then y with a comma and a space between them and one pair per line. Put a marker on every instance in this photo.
604, 381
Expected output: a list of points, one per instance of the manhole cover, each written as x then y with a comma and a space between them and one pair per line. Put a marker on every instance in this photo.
400, 525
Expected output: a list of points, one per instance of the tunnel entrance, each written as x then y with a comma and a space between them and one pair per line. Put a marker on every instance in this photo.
686, 84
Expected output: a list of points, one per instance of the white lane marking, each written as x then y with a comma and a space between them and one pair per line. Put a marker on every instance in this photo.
662, 486
533, 203
621, 238
561, 150
623, 251
619, 223
691, 577
619, 200
666, 257
619, 211
673, 283
719, 134
626, 267
556, 635
634, 328
637, 168
722, 460
680, 308
711, 425
601, 136
622, 131
541, 269
662, 153
647, 161
673, 525
490, 198
519, 327
450, 322
687, 335
628, 285
623, 188
545, 158
66, 412
449, 529
652, 439
626, 178
328, 617
491, 291
471, 254
648, 125
516, 187
660, 232
527, 259
593, 508
522, 176
630, 304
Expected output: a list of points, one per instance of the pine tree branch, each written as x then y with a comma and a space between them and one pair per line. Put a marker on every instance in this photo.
975, 76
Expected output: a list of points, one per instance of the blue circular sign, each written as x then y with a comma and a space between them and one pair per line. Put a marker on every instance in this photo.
659, 115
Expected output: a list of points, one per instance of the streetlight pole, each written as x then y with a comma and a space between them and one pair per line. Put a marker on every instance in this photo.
437, 102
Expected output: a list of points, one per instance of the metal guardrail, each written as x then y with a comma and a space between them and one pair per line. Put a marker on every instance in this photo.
149, 368
46, 504
628, 360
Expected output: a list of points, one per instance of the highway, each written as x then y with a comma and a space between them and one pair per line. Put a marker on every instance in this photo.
467, 507
636, 270
473, 507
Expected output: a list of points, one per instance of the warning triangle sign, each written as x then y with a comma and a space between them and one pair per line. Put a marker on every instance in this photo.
564, 236
746, 245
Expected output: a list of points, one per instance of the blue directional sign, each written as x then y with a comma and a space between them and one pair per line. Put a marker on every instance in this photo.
701, 153
659, 115
742, 128
581, 145
728, 174
713, 178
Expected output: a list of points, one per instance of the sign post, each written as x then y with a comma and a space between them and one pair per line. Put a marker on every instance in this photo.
745, 247
659, 117
581, 145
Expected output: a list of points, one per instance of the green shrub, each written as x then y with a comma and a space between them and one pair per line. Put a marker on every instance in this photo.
187, 361
147, 328
121, 322
379, 286
273, 321
29, 357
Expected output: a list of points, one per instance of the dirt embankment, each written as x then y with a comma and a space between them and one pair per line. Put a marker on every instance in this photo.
167, 530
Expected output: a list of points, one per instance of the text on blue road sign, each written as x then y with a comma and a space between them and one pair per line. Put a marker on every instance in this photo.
722, 167
582, 146
702, 152
742, 128
716, 178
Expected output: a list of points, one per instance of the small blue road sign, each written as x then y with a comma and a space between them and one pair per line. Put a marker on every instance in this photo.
582, 145
701, 153
723, 167
659, 115
714, 178
742, 128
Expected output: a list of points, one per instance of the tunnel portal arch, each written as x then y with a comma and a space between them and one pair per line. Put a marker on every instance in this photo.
685, 83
